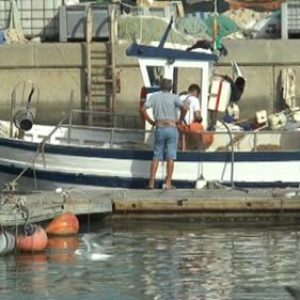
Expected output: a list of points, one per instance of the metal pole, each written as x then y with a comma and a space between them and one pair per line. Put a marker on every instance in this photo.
12, 113
232, 154
71, 104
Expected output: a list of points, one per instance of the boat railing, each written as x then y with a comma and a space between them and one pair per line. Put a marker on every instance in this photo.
128, 131
250, 141
104, 119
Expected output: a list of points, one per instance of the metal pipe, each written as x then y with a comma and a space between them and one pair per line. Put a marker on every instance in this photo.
111, 138
70, 116
12, 113
232, 153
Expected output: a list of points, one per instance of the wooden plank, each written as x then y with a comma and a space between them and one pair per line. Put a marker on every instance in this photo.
246, 204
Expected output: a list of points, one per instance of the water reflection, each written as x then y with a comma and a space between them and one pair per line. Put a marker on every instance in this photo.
159, 261
62, 249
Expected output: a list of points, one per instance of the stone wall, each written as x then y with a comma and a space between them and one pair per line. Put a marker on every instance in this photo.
58, 69
55, 69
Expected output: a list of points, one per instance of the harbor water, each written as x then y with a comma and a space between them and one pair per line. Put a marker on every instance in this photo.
159, 260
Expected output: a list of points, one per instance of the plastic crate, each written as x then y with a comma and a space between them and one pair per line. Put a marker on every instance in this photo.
38, 17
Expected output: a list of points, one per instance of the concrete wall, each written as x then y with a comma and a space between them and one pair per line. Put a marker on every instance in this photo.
58, 69
55, 69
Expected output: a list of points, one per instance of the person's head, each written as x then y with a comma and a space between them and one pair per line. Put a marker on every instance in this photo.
194, 89
166, 85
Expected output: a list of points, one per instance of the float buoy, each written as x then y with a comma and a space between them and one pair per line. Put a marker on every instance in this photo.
33, 239
64, 224
7, 242
197, 129
207, 138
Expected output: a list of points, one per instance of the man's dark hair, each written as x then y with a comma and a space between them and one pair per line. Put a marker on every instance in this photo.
166, 85
195, 88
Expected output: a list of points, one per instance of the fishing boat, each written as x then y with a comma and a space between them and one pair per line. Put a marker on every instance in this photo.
47, 157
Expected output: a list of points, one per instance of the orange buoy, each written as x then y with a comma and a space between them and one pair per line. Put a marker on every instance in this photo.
34, 239
197, 129
207, 138
65, 224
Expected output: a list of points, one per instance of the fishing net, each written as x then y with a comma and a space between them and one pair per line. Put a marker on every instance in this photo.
147, 29
192, 25
186, 30
226, 26
14, 34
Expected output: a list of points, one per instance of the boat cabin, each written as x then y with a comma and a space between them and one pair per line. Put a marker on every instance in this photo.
168, 62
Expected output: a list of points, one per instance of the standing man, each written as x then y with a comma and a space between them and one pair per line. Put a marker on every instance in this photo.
193, 115
165, 107
191, 100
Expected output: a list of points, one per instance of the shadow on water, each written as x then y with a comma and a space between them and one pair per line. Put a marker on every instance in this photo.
159, 260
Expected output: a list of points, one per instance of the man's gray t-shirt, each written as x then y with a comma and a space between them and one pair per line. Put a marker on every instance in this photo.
164, 105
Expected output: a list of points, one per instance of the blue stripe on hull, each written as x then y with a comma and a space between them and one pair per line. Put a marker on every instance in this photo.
121, 182
147, 155
92, 180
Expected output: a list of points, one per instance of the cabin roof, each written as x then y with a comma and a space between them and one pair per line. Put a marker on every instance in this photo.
143, 51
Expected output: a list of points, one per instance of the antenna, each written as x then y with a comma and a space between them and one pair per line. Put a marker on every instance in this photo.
215, 25
165, 36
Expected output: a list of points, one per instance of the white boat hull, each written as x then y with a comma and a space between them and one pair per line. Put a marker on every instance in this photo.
77, 165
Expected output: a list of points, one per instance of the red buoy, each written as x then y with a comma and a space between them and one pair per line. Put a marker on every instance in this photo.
34, 240
64, 224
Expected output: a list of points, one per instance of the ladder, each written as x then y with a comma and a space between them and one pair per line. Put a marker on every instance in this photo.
101, 73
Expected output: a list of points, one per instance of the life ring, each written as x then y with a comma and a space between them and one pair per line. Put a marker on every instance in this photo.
143, 98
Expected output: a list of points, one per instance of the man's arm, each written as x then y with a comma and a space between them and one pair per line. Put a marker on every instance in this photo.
195, 104
145, 116
183, 111
197, 116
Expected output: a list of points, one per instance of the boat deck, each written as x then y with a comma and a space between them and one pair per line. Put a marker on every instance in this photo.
206, 205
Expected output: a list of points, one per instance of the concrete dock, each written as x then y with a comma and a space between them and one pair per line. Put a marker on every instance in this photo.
46, 205
210, 205
207, 205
